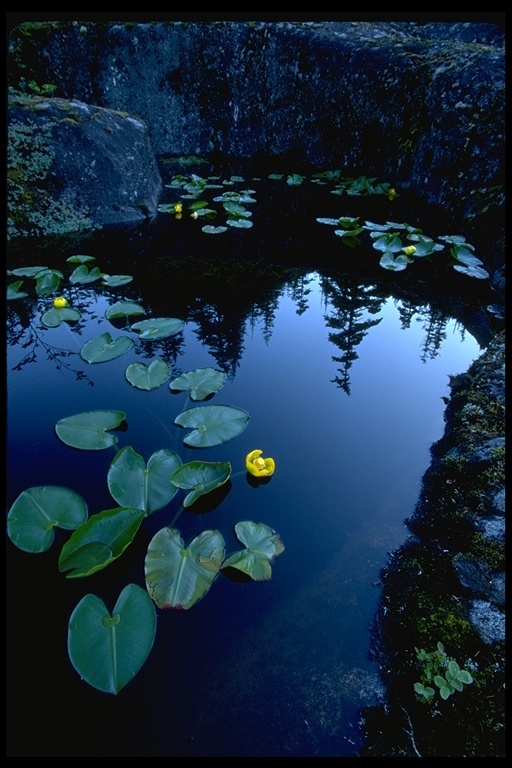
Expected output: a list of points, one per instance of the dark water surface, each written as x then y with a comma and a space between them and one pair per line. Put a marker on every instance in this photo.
343, 372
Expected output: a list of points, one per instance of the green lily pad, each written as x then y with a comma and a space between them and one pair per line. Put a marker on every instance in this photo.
201, 477
48, 281
79, 258
212, 424
108, 649
37, 511
199, 383
472, 271
113, 281
57, 315
391, 243
143, 377
88, 430
99, 541
81, 275
239, 223
388, 261
13, 291
210, 230
262, 544
178, 576
103, 348
29, 271
124, 309
132, 484
158, 327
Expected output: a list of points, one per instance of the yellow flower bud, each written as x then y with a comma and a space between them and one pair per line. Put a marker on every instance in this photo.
257, 466
178, 207
409, 250
60, 302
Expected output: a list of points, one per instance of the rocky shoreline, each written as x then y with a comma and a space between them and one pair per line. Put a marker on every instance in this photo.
446, 585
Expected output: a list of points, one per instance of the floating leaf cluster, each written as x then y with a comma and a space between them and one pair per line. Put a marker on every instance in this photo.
177, 574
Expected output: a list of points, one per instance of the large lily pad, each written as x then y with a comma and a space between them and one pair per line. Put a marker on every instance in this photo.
57, 315
147, 377
124, 309
179, 576
82, 275
89, 430
114, 281
158, 328
108, 649
37, 511
48, 281
103, 348
262, 544
201, 477
199, 383
212, 424
99, 541
132, 484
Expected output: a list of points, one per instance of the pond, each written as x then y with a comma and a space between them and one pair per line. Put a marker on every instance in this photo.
341, 367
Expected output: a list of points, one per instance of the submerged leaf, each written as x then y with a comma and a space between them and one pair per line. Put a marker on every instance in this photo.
179, 576
108, 649
37, 511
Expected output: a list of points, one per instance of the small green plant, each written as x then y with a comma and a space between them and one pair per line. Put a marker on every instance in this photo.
441, 670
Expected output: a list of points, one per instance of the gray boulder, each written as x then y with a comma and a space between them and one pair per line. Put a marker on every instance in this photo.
73, 167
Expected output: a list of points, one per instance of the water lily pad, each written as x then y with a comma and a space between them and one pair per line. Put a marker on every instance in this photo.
158, 327
212, 424
88, 430
178, 576
239, 223
209, 230
201, 477
103, 348
79, 258
199, 383
57, 315
132, 484
48, 281
124, 309
99, 541
13, 291
108, 649
262, 544
82, 276
113, 281
37, 511
388, 261
147, 377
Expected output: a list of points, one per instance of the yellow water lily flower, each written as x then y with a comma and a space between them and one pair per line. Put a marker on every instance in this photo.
60, 302
178, 207
391, 193
257, 466
409, 250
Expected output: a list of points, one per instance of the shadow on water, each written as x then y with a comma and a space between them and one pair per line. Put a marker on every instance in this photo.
342, 366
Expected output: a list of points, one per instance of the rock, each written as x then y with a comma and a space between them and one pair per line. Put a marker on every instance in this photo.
75, 167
